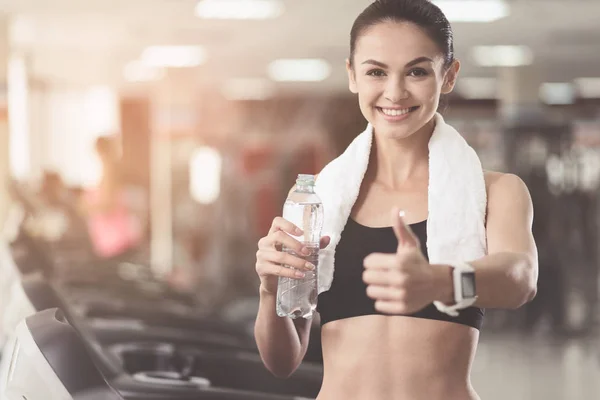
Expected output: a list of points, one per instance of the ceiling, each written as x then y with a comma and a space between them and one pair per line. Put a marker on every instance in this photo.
89, 41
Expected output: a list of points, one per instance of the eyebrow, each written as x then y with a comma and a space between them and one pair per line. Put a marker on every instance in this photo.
410, 64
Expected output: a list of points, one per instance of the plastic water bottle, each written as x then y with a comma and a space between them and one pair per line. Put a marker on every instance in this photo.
298, 297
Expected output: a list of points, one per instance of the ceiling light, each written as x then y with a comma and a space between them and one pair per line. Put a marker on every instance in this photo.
477, 88
557, 93
173, 56
136, 71
588, 88
473, 10
248, 89
239, 9
502, 56
303, 70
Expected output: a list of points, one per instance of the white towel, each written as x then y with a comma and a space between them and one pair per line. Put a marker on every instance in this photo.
457, 198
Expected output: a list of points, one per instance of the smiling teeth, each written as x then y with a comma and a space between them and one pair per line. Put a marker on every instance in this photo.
395, 113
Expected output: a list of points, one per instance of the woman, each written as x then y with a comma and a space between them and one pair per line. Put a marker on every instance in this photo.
394, 339
113, 210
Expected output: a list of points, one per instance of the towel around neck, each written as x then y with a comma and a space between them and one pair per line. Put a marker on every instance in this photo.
457, 198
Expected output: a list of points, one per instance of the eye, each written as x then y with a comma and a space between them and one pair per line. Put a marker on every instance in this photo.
418, 72
376, 73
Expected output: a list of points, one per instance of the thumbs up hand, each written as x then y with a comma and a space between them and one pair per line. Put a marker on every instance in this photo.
404, 282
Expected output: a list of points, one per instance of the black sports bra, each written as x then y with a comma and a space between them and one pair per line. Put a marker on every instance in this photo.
347, 296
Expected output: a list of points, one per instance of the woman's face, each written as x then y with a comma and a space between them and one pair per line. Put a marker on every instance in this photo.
398, 74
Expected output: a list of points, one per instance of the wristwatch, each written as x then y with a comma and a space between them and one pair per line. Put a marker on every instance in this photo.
465, 293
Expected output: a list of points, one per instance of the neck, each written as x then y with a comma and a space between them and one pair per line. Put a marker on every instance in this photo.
395, 162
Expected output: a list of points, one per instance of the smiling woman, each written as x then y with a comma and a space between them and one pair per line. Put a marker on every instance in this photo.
402, 298
392, 56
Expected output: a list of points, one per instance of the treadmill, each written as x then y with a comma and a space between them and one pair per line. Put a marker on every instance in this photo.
148, 343
50, 359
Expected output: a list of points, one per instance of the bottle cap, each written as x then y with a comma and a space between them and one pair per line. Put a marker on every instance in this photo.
304, 179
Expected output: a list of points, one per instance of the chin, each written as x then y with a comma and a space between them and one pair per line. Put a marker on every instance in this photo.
397, 130
393, 132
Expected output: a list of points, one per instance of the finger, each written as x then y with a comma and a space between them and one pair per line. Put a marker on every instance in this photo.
281, 224
380, 261
376, 277
325, 240
385, 293
269, 269
405, 235
281, 238
391, 307
278, 257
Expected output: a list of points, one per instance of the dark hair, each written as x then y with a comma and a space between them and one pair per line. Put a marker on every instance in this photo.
423, 13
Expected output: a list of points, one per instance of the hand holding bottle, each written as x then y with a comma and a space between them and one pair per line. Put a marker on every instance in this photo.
271, 260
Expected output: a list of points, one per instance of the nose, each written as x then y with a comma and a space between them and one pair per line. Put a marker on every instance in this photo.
395, 90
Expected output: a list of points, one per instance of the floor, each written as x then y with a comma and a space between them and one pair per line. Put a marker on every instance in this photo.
520, 367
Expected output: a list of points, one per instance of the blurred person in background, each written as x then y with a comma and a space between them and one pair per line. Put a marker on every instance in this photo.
192, 243
386, 329
53, 190
190, 261
548, 232
57, 204
113, 210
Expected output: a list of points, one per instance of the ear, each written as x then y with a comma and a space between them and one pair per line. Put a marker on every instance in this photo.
450, 77
351, 77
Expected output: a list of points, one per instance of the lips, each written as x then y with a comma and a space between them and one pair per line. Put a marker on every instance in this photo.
395, 112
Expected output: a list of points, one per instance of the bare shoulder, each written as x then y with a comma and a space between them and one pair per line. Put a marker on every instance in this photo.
500, 184
507, 194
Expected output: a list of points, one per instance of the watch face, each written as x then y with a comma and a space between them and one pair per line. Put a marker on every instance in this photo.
468, 285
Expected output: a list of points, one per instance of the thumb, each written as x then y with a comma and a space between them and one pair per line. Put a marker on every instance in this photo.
405, 235
325, 240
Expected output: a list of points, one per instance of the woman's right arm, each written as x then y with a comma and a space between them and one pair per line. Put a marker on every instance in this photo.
281, 341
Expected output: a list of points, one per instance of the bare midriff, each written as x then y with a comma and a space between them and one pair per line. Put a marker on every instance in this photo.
377, 357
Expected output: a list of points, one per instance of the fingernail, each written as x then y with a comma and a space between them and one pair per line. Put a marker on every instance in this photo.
305, 251
298, 231
310, 266
299, 274
401, 213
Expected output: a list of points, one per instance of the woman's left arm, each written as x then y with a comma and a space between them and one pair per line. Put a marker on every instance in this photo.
507, 276
404, 282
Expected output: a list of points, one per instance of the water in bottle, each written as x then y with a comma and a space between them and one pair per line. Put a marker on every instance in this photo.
298, 297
